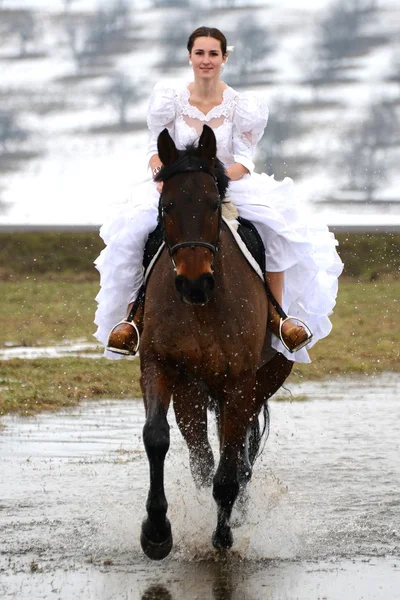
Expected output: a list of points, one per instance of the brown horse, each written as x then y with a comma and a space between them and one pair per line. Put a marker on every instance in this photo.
204, 328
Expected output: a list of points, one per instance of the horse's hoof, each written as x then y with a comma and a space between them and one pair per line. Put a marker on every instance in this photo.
156, 550
222, 539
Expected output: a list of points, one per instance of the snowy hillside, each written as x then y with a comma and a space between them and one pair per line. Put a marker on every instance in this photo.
70, 160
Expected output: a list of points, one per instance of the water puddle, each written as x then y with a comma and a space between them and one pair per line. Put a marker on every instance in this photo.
82, 349
323, 521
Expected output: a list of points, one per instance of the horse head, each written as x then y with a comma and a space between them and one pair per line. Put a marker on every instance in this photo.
194, 186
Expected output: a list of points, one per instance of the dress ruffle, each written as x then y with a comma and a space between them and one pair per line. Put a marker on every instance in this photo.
295, 244
120, 263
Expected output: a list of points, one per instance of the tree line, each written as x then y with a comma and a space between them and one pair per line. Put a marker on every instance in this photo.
340, 33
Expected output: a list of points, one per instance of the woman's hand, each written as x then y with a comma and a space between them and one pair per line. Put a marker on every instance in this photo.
159, 186
155, 166
236, 171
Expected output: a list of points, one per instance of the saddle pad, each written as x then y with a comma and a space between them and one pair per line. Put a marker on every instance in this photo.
243, 248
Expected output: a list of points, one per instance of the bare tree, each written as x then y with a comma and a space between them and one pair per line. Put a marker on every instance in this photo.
316, 71
171, 3
98, 30
75, 42
228, 3
282, 125
252, 47
395, 65
10, 130
107, 25
366, 158
120, 94
67, 4
23, 25
338, 37
174, 41
95, 37
341, 27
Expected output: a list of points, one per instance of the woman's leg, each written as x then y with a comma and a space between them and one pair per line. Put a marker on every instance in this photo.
124, 337
293, 335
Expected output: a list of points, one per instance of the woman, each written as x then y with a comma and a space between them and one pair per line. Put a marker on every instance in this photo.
301, 259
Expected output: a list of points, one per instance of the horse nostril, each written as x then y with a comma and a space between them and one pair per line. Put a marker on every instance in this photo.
195, 291
208, 282
179, 283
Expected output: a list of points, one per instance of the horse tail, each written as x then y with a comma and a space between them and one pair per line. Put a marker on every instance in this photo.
264, 416
258, 434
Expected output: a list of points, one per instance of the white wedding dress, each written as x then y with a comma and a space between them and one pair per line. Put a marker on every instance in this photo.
294, 242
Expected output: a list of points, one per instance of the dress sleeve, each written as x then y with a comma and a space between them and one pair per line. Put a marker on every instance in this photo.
160, 114
249, 122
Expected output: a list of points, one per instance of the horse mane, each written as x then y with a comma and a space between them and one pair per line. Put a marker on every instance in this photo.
189, 161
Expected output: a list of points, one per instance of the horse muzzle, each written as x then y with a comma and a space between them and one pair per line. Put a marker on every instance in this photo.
195, 292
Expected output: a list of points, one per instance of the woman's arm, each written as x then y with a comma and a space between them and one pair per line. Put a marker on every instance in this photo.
236, 171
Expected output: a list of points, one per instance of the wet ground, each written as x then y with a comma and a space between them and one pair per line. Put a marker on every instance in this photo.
69, 348
324, 519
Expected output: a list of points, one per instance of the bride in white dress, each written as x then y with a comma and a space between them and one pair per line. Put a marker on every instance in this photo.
301, 258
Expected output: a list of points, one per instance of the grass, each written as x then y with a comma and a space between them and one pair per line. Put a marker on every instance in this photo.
364, 336
51, 253
41, 311
68, 253
30, 386
36, 311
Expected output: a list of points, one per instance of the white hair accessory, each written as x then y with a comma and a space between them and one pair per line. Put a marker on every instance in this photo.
230, 48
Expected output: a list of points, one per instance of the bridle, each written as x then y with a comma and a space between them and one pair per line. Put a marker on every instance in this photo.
192, 244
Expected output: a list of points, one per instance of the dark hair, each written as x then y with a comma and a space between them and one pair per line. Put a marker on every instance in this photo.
207, 32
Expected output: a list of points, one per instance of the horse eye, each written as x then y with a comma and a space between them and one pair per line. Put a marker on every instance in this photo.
215, 207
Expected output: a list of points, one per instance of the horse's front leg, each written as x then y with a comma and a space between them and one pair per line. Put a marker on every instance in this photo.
234, 470
156, 537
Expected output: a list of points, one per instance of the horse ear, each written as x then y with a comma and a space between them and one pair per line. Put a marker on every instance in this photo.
208, 145
166, 148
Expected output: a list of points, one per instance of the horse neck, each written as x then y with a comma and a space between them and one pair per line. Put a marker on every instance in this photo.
226, 259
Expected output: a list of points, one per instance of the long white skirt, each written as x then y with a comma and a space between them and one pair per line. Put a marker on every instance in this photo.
295, 243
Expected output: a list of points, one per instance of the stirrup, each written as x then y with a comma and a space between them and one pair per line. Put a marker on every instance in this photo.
304, 342
122, 350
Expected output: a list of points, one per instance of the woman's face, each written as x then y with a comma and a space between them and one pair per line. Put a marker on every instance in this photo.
206, 57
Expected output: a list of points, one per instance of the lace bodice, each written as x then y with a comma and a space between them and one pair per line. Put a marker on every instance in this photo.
238, 122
